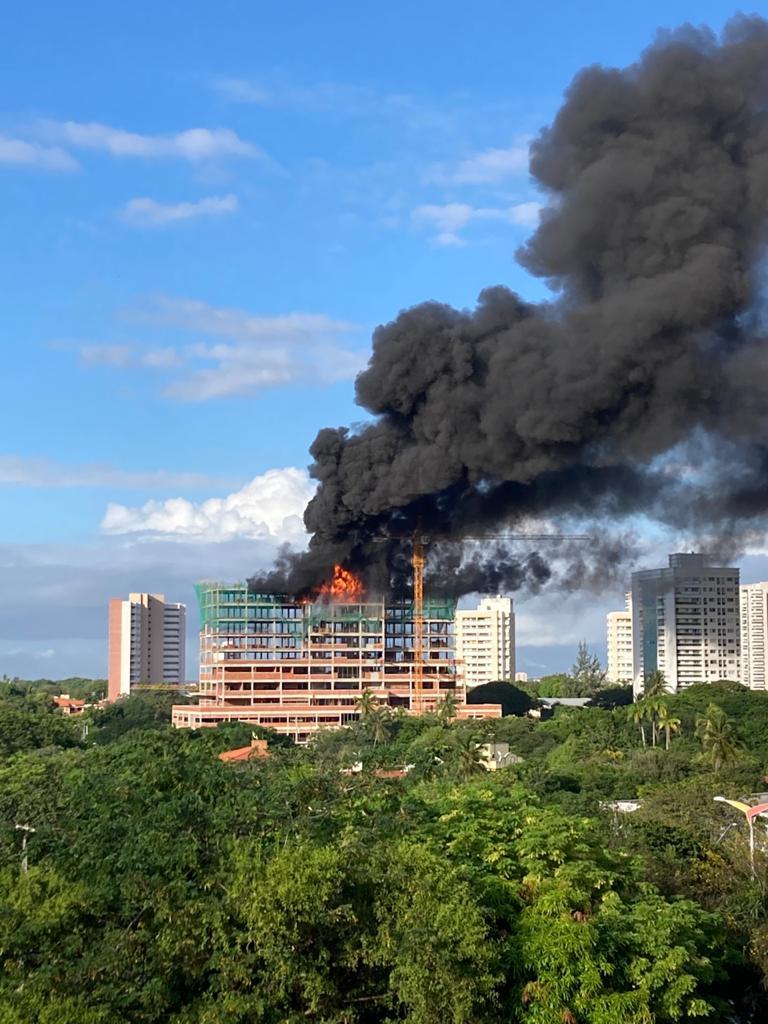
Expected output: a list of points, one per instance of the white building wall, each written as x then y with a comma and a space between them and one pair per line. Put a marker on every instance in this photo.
174, 642
754, 632
619, 632
619, 627
685, 622
485, 641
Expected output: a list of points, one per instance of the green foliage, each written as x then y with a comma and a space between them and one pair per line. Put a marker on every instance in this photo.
136, 713
447, 708
612, 697
717, 733
654, 685
512, 699
563, 685
558, 685
587, 672
22, 729
78, 687
164, 886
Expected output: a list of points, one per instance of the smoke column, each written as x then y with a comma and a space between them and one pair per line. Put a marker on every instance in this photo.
640, 388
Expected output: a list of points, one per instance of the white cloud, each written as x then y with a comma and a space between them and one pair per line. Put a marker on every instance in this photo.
271, 506
526, 215
335, 98
259, 351
22, 471
239, 90
149, 213
485, 168
161, 358
195, 144
30, 154
202, 318
448, 219
106, 355
123, 356
256, 352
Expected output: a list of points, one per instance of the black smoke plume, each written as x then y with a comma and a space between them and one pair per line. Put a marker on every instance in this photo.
599, 404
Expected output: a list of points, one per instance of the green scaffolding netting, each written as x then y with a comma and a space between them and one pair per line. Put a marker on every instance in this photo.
233, 602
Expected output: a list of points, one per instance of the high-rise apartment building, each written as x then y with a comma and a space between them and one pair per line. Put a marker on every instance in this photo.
754, 633
619, 626
485, 641
685, 622
146, 643
301, 666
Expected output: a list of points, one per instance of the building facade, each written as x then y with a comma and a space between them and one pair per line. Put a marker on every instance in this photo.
301, 666
754, 631
147, 639
619, 629
685, 622
485, 641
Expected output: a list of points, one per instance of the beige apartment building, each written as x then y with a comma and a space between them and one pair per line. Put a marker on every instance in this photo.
619, 628
754, 632
146, 643
485, 641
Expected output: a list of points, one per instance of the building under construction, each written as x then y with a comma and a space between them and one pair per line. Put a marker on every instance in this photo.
301, 666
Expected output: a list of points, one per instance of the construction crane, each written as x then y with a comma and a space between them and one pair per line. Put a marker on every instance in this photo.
418, 562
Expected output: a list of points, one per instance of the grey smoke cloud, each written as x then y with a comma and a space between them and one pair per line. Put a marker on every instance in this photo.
652, 236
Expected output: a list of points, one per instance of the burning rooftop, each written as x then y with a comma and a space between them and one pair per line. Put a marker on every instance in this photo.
343, 586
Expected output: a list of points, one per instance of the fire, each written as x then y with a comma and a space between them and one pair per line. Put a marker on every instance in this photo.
343, 586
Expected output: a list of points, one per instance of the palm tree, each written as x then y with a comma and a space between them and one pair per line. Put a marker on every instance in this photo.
366, 704
655, 685
637, 715
379, 725
467, 757
653, 710
666, 722
448, 708
718, 736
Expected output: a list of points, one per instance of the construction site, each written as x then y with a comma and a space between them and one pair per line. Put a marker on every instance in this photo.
299, 666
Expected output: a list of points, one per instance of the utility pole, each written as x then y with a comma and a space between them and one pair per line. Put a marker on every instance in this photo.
26, 829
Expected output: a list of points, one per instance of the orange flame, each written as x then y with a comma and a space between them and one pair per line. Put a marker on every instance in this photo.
343, 586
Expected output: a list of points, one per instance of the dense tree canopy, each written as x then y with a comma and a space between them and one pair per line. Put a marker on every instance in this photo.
162, 885
512, 699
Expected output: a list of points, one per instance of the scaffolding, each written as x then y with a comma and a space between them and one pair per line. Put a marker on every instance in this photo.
301, 666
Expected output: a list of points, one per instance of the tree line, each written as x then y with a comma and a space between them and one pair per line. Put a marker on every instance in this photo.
159, 884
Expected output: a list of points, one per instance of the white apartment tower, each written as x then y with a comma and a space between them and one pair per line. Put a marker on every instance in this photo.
619, 626
146, 642
754, 632
685, 622
485, 641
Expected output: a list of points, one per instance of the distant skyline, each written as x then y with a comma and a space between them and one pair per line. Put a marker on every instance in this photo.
206, 212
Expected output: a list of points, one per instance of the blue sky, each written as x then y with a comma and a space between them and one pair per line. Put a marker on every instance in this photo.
206, 210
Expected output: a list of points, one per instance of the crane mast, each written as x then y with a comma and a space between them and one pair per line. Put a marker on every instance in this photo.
417, 563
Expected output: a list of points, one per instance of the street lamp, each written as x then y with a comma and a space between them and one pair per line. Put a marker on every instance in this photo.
26, 829
750, 813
